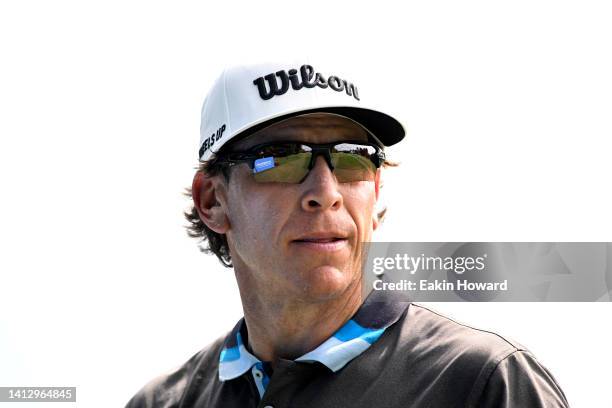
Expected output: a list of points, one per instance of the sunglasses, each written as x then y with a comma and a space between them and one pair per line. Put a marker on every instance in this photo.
290, 162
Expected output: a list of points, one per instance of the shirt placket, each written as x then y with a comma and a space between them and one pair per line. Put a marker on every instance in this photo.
260, 377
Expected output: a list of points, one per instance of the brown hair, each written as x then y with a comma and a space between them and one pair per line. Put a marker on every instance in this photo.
211, 241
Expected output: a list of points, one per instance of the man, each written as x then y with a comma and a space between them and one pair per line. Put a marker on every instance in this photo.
287, 194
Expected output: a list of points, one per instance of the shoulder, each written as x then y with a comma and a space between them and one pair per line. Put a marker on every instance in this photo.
167, 390
435, 332
428, 348
521, 380
495, 370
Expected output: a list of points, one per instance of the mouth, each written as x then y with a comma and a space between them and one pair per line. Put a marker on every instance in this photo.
322, 243
320, 240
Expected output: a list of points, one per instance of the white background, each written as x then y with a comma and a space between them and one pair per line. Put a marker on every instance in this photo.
508, 110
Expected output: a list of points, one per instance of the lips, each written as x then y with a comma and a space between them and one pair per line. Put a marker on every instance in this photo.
322, 242
322, 237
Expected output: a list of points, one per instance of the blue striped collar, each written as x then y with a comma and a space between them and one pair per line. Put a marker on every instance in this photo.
376, 314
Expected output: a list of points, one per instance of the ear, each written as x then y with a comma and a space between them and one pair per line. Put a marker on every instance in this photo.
209, 199
377, 187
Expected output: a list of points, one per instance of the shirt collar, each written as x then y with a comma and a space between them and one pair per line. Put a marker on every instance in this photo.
379, 311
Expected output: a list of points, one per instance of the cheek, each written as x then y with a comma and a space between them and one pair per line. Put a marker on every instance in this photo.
256, 214
360, 201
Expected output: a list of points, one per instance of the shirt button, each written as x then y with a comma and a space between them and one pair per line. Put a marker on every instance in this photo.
257, 373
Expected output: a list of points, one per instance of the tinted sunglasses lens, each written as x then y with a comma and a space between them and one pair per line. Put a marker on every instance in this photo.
289, 163
353, 162
279, 167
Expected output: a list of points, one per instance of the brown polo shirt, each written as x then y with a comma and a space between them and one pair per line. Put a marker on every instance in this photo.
422, 360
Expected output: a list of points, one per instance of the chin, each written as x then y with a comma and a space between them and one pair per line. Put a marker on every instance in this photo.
324, 283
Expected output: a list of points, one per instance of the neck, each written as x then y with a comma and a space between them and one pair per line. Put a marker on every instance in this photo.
288, 327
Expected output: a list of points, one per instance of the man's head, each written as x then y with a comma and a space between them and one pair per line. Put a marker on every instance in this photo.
299, 236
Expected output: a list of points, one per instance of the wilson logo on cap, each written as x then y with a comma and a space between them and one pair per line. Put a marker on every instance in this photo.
309, 79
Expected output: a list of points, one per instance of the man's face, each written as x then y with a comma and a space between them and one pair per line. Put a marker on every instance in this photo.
300, 240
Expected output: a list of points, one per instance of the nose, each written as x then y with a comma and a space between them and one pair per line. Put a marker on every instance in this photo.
321, 188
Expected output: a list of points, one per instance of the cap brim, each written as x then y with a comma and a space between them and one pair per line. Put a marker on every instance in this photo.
384, 127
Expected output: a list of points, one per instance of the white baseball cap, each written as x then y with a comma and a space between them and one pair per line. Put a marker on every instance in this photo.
248, 98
